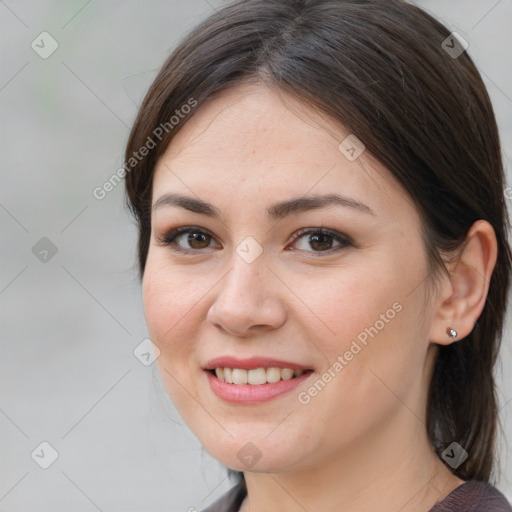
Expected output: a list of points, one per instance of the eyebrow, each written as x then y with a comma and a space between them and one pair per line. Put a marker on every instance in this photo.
276, 211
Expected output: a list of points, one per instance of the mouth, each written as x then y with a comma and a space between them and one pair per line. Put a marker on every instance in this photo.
256, 376
253, 380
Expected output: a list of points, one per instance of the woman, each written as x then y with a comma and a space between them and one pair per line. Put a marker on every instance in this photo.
322, 243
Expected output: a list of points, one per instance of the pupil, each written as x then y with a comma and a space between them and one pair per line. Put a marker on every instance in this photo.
321, 240
197, 239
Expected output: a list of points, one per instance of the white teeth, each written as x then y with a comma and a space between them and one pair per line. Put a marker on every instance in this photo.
228, 375
256, 376
239, 376
273, 374
286, 373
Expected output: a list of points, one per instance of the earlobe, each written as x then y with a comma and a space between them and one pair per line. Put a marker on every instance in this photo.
464, 292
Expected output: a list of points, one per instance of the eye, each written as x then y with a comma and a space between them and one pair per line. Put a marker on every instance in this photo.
191, 239
186, 239
321, 240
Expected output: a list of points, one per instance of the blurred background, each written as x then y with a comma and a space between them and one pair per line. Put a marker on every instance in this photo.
85, 424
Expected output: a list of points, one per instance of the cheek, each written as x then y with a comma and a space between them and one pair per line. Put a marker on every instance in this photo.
386, 379
169, 296
352, 304
375, 343
168, 313
170, 305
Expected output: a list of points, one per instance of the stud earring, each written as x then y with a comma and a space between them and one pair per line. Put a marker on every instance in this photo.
451, 332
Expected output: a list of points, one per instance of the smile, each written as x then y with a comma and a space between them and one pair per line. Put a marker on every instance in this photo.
253, 380
256, 376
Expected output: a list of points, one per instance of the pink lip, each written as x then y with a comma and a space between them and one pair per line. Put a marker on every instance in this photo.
251, 363
248, 393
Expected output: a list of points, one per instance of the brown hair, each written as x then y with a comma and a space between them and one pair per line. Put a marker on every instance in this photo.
380, 69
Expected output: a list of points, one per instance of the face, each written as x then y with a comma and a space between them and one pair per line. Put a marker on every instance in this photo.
297, 273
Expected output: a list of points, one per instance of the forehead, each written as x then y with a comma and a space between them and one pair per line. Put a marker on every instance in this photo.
258, 143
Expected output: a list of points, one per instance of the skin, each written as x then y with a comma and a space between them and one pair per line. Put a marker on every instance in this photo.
361, 443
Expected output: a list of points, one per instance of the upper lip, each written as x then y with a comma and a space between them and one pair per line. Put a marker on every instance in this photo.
252, 363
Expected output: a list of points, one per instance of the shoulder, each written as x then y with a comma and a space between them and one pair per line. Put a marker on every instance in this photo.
229, 502
473, 496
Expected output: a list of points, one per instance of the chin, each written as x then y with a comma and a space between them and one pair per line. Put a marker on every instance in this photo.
256, 454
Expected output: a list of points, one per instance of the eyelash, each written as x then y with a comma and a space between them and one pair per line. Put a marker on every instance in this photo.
168, 239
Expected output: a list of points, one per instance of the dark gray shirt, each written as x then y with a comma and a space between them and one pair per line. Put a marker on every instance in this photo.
471, 496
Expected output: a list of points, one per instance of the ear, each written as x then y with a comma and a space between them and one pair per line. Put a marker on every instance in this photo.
463, 294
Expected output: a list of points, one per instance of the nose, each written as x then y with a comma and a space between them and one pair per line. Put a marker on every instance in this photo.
248, 300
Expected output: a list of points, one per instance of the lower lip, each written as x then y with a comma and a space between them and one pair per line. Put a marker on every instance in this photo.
248, 393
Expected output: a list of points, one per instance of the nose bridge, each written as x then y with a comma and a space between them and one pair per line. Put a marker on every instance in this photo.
246, 297
248, 269
244, 284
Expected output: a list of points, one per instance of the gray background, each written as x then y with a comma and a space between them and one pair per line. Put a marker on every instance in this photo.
71, 320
